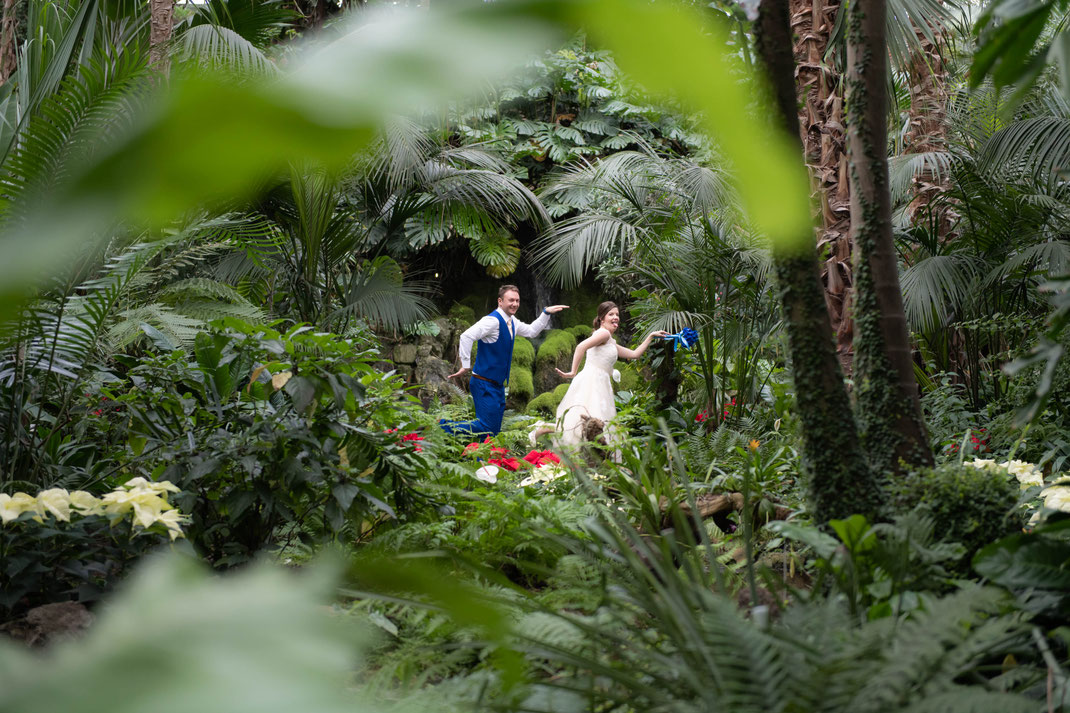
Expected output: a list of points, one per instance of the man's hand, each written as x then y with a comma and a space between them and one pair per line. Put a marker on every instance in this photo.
554, 309
461, 372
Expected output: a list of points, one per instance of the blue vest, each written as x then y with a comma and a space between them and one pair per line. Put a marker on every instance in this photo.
493, 360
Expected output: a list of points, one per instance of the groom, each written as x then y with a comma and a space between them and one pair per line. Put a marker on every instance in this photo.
496, 333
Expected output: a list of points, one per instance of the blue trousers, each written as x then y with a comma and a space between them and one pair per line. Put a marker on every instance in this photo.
490, 408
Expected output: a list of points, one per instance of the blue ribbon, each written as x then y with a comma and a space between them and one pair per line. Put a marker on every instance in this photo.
686, 337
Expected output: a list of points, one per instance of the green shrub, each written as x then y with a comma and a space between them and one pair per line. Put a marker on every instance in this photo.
971, 506
523, 353
262, 430
462, 313
545, 404
629, 378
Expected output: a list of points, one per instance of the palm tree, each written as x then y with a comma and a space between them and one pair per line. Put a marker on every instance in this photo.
913, 28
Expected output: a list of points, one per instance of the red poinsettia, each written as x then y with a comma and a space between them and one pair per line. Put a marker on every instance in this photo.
412, 437
541, 458
507, 463
494, 450
701, 416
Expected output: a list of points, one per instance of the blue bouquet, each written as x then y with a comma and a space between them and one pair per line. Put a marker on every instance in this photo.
686, 338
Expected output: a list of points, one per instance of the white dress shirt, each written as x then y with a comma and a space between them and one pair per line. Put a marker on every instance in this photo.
486, 330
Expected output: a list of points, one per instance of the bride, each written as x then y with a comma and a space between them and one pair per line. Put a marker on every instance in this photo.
591, 391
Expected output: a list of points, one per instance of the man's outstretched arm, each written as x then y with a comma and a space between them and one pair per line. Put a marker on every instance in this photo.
477, 331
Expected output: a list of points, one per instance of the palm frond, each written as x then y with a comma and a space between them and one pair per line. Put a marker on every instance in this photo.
573, 246
378, 294
905, 169
221, 47
936, 287
1039, 146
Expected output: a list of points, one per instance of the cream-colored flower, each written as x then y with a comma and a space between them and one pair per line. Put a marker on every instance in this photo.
172, 520
55, 501
159, 488
982, 464
11, 506
1057, 497
1026, 473
85, 503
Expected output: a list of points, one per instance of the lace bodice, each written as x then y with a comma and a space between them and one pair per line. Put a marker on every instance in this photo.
602, 357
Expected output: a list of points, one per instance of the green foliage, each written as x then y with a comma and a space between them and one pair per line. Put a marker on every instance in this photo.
882, 570
630, 378
1033, 566
970, 506
545, 404
296, 442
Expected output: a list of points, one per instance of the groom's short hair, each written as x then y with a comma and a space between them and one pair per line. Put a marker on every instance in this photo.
507, 288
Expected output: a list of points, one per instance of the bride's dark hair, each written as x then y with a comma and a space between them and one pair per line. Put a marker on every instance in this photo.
604, 309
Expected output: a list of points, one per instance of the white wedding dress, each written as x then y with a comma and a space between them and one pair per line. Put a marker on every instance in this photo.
589, 394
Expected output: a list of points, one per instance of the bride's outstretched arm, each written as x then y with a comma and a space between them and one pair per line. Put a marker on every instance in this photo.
600, 336
626, 353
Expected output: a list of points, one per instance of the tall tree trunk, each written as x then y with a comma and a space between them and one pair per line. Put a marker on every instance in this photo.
8, 41
161, 23
839, 480
824, 146
889, 410
927, 129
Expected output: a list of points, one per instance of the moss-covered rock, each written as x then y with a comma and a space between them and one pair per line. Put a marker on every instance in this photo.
521, 387
462, 313
554, 353
523, 353
545, 404
580, 331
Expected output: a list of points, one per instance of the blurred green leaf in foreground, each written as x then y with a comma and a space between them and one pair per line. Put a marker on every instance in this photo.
179, 639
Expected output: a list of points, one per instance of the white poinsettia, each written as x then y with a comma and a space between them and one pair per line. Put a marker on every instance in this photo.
56, 502
1028, 474
544, 474
11, 506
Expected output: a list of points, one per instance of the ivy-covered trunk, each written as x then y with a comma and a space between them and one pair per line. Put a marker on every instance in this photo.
889, 410
840, 482
820, 117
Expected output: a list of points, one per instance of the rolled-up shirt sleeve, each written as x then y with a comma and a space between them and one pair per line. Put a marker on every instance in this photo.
478, 331
533, 329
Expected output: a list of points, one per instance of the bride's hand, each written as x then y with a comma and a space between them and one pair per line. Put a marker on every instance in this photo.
565, 374
659, 333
